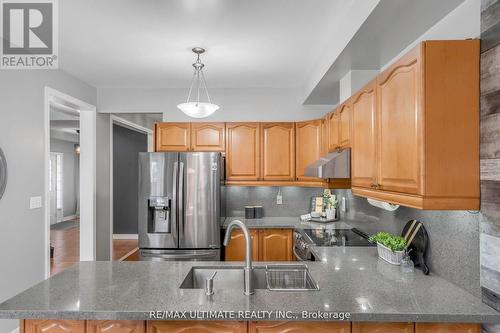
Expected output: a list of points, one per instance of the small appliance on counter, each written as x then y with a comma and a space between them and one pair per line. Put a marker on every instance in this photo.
254, 212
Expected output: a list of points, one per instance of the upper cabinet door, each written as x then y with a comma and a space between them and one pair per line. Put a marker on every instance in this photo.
363, 138
278, 151
243, 151
333, 125
309, 140
208, 136
172, 136
399, 93
345, 124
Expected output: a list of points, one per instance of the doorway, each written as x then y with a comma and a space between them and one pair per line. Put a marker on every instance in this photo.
131, 134
70, 150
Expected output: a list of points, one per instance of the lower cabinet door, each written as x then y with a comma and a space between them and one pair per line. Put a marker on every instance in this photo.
197, 327
116, 326
299, 327
54, 326
383, 327
276, 244
447, 328
235, 250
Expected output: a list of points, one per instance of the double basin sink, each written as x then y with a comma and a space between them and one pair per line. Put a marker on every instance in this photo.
278, 277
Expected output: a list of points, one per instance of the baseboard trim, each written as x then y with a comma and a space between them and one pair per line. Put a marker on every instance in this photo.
125, 236
69, 218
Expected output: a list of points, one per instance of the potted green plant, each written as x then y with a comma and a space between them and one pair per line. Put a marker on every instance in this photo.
391, 248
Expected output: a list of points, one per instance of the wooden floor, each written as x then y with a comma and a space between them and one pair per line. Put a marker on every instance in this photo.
66, 245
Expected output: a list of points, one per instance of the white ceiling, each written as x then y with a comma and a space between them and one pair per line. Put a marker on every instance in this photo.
258, 43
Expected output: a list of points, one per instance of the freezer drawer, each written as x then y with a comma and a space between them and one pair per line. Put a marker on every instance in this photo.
179, 255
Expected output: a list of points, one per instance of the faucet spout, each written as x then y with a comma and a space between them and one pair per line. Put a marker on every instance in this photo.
248, 269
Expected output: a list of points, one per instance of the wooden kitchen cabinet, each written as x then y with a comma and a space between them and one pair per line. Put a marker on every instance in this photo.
447, 328
333, 127
345, 124
298, 327
364, 144
427, 129
278, 151
243, 151
235, 250
190, 136
172, 136
208, 136
375, 327
197, 326
267, 245
309, 146
276, 245
54, 326
116, 326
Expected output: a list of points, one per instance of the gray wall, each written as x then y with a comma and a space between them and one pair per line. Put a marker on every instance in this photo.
103, 192
490, 155
454, 236
70, 174
127, 144
21, 138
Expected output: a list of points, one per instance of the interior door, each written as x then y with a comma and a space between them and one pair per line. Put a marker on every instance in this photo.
199, 200
363, 140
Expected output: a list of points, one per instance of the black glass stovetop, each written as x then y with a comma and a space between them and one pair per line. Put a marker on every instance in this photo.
338, 237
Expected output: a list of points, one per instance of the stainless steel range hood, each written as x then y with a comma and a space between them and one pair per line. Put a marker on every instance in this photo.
333, 165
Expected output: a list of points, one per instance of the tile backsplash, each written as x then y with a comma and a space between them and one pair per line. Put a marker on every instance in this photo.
296, 200
454, 235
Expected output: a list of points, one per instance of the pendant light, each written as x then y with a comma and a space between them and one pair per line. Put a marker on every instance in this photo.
198, 109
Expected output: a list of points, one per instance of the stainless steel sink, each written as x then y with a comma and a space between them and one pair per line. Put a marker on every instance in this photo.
228, 277
280, 277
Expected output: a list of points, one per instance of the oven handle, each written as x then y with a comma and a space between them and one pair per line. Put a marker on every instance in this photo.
297, 255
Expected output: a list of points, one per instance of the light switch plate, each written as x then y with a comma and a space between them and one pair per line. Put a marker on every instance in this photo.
279, 199
35, 202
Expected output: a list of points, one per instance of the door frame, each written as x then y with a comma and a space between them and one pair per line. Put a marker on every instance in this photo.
87, 174
117, 120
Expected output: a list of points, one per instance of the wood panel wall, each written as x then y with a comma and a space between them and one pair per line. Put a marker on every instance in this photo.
490, 155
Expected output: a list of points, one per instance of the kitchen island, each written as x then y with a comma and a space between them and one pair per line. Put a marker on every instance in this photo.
355, 286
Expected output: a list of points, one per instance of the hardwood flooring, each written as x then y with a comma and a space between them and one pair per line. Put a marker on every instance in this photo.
66, 245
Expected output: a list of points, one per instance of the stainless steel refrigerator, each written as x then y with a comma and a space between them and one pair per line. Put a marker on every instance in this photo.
179, 206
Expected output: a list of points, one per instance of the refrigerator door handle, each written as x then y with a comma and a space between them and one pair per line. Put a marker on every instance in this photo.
181, 200
173, 211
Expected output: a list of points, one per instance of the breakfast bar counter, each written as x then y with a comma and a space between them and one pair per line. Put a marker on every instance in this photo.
354, 285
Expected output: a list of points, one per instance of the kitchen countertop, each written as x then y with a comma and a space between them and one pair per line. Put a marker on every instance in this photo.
351, 280
280, 222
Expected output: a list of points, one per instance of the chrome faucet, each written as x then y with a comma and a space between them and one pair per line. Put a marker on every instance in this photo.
248, 269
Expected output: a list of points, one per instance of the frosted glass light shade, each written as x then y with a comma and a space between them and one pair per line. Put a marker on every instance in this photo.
198, 110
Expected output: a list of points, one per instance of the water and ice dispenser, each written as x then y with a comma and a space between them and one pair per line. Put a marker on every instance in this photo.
159, 215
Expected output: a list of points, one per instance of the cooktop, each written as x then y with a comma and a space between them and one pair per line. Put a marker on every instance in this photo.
338, 237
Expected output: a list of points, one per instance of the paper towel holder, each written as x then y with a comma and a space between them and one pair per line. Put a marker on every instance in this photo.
382, 204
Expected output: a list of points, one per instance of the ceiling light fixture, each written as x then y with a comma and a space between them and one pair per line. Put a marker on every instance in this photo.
198, 109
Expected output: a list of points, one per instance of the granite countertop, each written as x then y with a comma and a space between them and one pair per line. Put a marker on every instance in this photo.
280, 222
351, 280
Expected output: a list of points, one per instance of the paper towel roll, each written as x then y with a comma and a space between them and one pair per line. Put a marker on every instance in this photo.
384, 205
